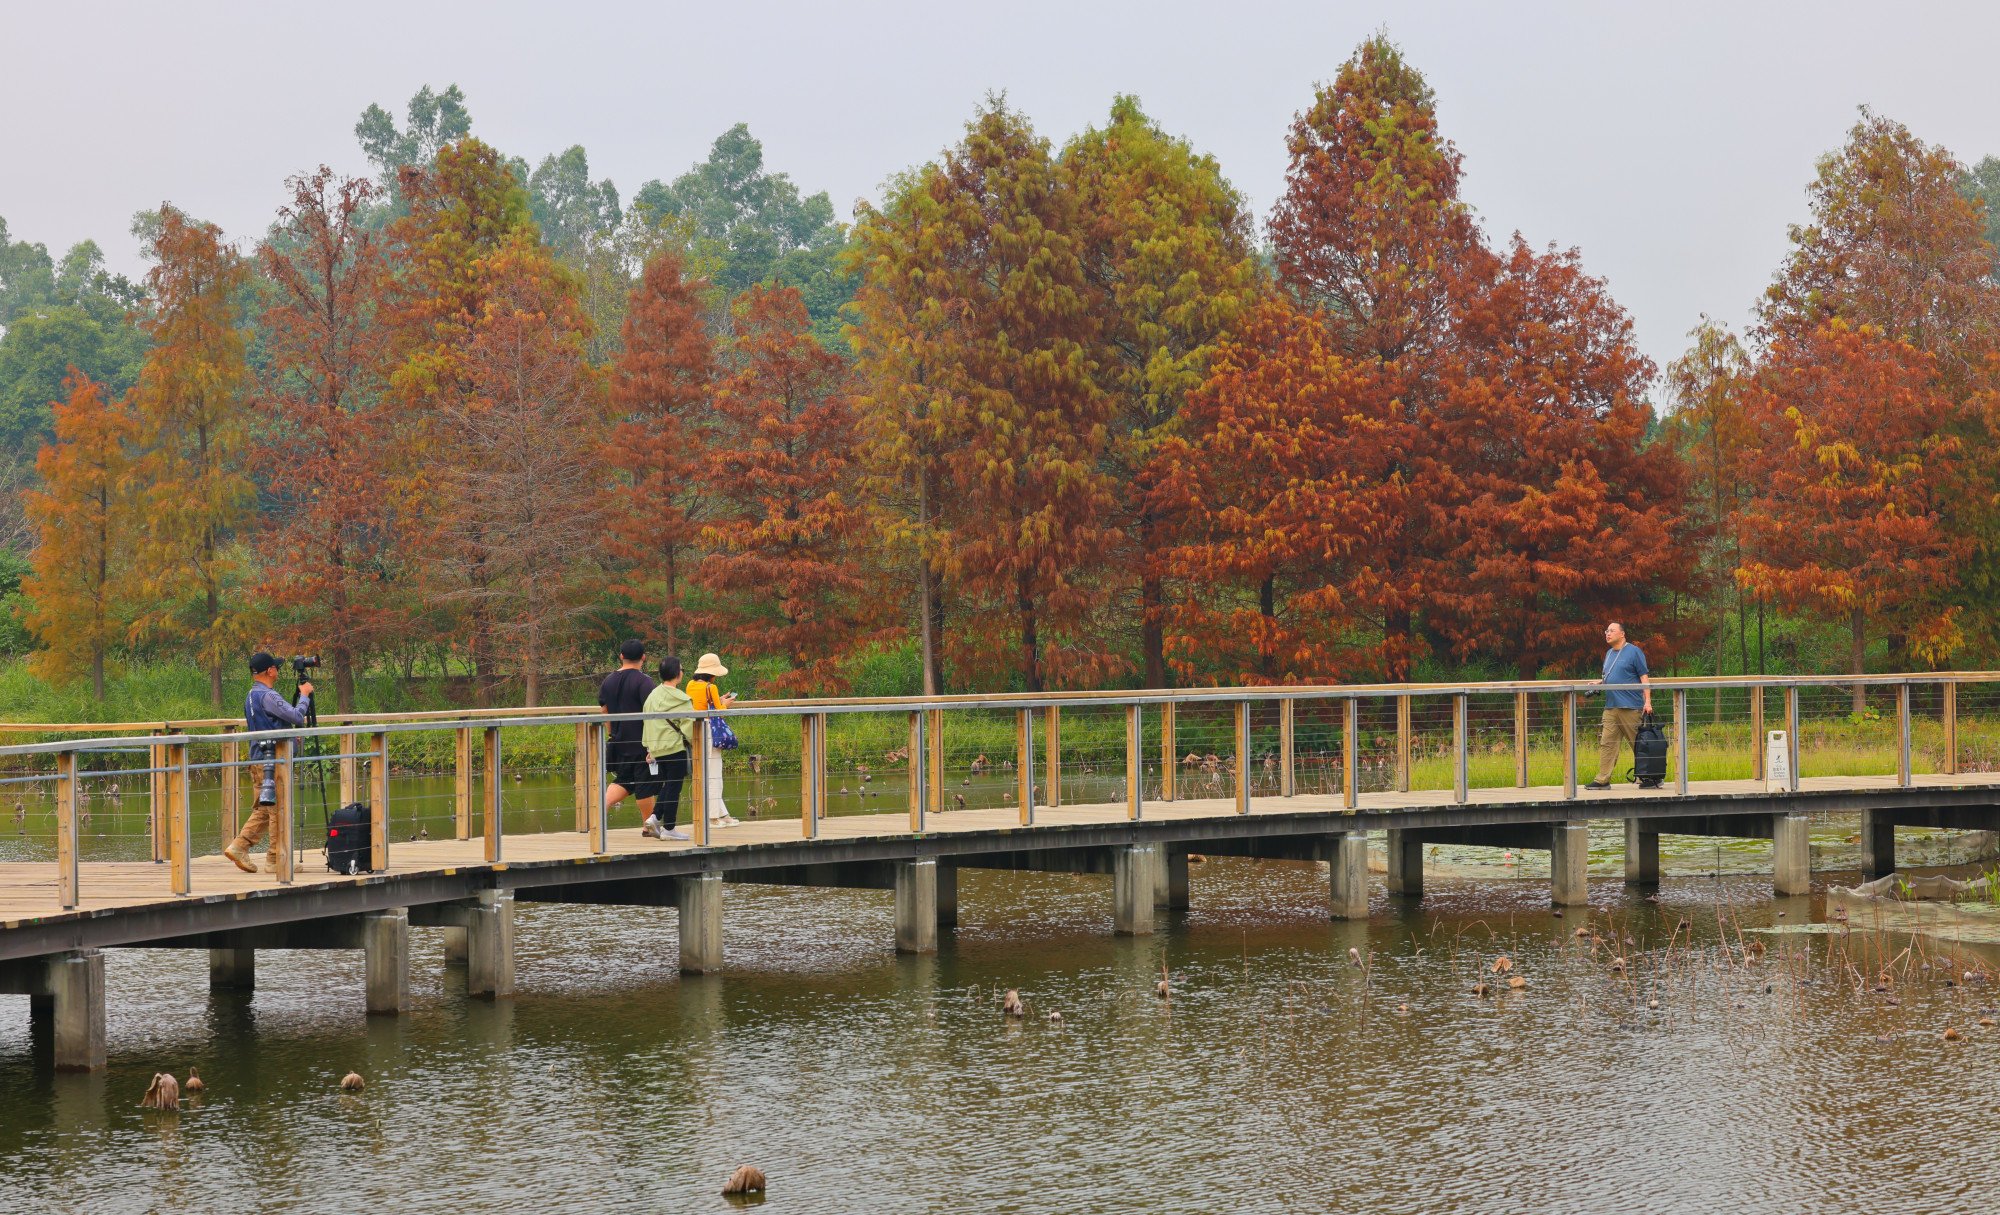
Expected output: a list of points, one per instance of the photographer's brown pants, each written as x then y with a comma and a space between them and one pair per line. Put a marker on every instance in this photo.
255, 829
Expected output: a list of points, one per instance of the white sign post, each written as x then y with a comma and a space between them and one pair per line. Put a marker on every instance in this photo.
1777, 762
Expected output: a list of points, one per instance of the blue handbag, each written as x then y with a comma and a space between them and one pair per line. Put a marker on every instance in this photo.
720, 736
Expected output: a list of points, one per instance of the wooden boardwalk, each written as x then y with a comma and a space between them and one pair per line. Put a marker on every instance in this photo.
28, 889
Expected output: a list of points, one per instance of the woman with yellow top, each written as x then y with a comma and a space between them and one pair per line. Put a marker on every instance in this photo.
708, 698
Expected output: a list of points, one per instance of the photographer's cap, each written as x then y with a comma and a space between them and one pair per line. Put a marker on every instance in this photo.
261, 662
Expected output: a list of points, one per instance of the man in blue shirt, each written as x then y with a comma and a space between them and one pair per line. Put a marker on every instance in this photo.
265, 709
1624, 667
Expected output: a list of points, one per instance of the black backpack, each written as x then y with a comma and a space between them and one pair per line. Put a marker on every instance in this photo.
1649, 754
348, 847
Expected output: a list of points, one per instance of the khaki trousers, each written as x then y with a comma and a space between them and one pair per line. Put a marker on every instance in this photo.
1620, 726
254, 829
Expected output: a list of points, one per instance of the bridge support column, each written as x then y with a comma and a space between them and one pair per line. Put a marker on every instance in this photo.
232, 969
1878, 844
700, 898
1642, 854
385, 938
917, 906
1347, 882
75, 1000
454, 945
1569, 859
1132, 882
1406, 864
947, 896
1174, 863
1791, 854
489, 946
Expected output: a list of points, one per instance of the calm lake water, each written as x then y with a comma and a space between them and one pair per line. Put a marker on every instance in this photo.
1279, 1076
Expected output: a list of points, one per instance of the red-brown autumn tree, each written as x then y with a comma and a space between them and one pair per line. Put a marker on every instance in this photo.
85, 518
661, 383
786, 570
327, 545
1855, 468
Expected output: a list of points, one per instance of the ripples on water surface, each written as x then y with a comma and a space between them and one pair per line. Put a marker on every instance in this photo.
1279, 1077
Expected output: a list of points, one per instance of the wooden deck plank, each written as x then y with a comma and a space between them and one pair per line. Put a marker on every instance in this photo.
28, 889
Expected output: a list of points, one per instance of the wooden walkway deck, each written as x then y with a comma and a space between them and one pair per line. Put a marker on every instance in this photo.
28, 889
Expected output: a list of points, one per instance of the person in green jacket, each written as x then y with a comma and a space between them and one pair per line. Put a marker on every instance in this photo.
666, 744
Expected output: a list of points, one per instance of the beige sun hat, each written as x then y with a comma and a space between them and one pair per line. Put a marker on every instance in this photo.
711, 664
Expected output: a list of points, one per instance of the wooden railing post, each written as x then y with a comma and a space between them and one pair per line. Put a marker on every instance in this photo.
493, 794
1569, 745
1287, 747
934, 745
586, 756
1950, 712
1350, 761
156, 796
1792, 735
281, 814
919, 765
600, 812
378, 803
1460, 742
1405, 735
180, 870
1052, 748
1024, 769
698, 779
229, 791
350, 778
1135, 766
1680, 742
1757, 732
1903, 771
1169, 755
66, 833
1520, 740
462, 784
812, 776
1242, 733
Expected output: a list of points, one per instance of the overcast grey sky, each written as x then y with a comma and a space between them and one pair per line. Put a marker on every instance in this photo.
1671, 143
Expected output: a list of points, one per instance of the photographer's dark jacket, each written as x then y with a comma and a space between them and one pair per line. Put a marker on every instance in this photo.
264, 709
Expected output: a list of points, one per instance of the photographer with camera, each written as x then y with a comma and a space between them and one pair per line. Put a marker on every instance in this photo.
265, 709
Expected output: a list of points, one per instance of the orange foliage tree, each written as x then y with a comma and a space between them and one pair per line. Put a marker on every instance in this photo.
1568, 518
327, 545
786, 569
194, 431
85, 518
661, 383
1855, 467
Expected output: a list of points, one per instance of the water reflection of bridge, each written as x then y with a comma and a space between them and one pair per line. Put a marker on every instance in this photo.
1425, 764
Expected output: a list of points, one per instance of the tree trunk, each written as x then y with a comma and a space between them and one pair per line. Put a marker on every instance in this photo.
926, 625
97, 672
1152, 629
1267, 606
1031, 642
532, 678
1858, 657
343, 678
673, 601
1396, 631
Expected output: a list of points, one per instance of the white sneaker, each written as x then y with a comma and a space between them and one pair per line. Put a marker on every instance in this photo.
725, 820
652, 820
673, 833
650, 829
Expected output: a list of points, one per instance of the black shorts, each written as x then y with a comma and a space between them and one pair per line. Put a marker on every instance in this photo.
632, 776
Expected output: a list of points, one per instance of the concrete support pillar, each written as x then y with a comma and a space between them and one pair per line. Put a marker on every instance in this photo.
75, 984
1791, 854
385, 937
454, 945
1642, 854
916, 906
1175, 862
947, 896
489, 946
1132, 889
700, 898
1163, 892
1569, 860
1406, 864
1348, 881
232, 970
1878, 844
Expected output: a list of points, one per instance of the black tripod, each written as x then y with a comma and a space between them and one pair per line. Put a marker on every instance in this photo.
299, 668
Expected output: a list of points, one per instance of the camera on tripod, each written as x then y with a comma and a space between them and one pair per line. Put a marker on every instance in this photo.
301, 663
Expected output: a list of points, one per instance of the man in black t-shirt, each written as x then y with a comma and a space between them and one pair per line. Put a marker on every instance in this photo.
625, 691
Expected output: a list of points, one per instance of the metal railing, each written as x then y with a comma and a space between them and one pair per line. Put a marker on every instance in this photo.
1232, 745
